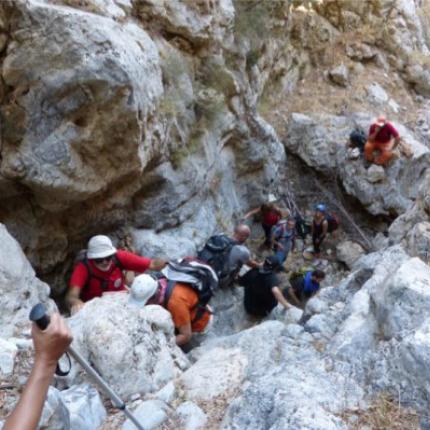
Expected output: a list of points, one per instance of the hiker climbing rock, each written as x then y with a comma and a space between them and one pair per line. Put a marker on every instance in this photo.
262, 289
226, 255
180, 299
383, 137
271, 214
283, 238
323, 223
304, 285
100, 269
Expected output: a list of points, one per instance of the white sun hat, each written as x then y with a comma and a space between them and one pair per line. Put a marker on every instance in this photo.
142, 289
99, 247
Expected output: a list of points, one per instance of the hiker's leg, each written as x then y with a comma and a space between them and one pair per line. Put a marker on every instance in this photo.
316, 243
369, 147
385, 154
281, 255
267, 232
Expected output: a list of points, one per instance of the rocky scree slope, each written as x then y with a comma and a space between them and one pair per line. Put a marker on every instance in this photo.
182, 138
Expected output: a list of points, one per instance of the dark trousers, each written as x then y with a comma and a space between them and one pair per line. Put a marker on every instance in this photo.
268, 232
317, 241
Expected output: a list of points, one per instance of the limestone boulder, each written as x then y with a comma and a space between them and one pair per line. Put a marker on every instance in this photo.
133, 349
72, 72
20, 290
349, 252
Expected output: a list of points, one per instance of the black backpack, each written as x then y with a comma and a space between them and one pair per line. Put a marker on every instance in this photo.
358, 139
216, 252
200, 277
81, 257
333, 221
302, 228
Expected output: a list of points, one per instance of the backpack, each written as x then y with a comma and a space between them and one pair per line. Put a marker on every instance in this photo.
302, 228
81, 257
200, 277
358, 139
333, 221
300, 273
215, 253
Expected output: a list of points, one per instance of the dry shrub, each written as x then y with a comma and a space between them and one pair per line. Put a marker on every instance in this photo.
383, 414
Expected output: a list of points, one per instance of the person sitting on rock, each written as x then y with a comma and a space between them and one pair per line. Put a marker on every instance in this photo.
100, 270
304, 286
182, 303
283, 238
271, 214
323, 223
262, 291
383, 137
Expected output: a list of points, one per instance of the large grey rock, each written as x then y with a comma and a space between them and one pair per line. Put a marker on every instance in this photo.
8, 351
20, 290
191, 416
85, 407
133, 348
349, 252
339, 75
403, 298
150, 414
55, 415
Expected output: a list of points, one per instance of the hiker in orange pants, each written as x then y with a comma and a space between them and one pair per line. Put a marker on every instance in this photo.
383, 137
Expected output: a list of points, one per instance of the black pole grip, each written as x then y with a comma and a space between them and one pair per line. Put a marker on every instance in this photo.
39, 316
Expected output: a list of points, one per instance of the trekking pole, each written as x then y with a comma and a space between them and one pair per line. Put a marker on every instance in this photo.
39, 316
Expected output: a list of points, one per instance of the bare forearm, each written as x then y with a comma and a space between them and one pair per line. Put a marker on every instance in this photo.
280, 298
28, 410
294, 297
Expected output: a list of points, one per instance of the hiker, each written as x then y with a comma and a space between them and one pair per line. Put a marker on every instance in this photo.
383, 137
271, 214
322, 224
49, 345
283, 238
262, 291
100, 270
304, 285
226, 255
178, 298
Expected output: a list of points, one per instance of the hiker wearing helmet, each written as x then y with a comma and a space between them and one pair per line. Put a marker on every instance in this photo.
178, 298
283, 238
271, 214
383, 137
323, 223
100, 270
262, 292
304, 285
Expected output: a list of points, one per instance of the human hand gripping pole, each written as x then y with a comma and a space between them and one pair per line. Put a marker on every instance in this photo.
39, 316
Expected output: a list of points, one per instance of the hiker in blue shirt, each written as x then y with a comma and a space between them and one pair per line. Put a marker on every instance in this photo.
304, 286
283, 237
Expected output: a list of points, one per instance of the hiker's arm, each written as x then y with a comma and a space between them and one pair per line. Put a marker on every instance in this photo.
252, 212
293, 295
157, 264
280, 297
49, 346
373, 135
73, 299
324, 229
253, 264
184, 334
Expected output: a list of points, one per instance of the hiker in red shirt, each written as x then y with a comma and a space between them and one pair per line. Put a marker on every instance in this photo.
271, 214
101, 270
383, 137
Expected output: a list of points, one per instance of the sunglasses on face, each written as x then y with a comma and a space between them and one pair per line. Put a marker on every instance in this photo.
102, 260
